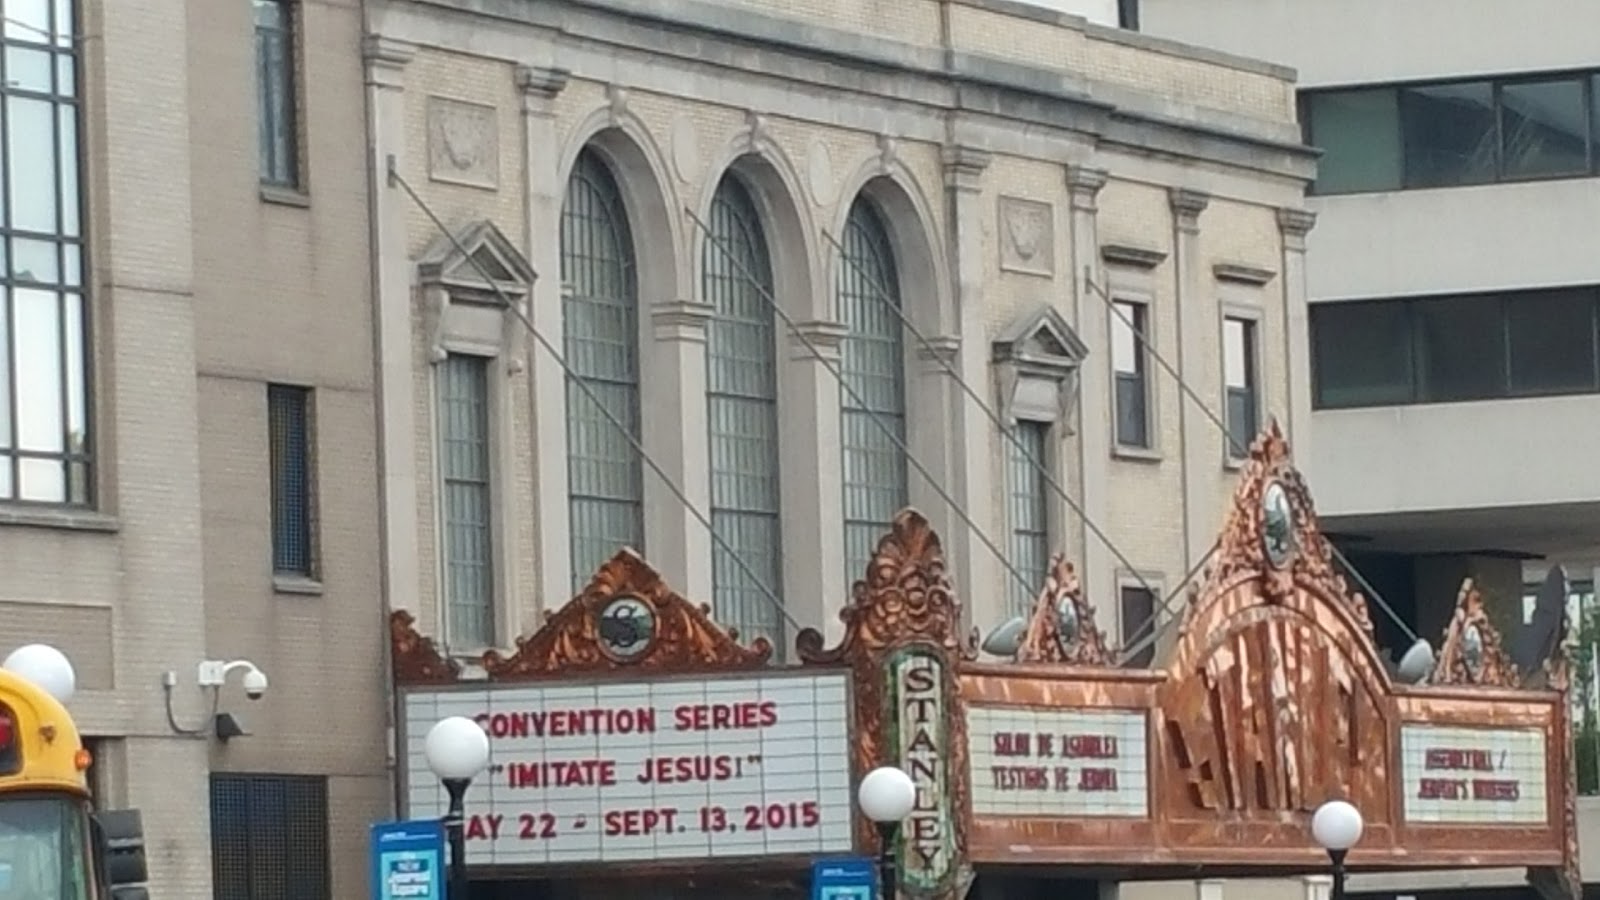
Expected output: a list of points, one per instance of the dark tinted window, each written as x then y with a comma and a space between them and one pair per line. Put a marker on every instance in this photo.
1359, 134
1388, 137
1463, 348
1552, 342
1361, 353
269, 837
1449, 134
1544, 128
1138, 623
1442, 349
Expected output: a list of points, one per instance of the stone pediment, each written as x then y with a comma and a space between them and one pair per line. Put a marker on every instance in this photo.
1041, 340
476, 257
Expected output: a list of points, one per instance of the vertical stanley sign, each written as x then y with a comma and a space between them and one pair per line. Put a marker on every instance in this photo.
922, 745
901, 642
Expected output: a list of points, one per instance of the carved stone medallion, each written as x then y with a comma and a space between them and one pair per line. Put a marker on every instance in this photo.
1027, 236
463, 143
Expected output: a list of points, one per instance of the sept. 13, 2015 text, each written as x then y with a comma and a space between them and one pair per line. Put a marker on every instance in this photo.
535, 826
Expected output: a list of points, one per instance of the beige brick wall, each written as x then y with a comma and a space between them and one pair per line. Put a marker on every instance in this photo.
203, 293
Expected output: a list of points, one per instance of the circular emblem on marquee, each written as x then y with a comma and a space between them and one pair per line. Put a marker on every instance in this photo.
1277, 525
627, 627
1066, 622
1472, 649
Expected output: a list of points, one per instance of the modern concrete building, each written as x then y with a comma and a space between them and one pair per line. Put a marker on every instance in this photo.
1453, 277
186, 431
713, 214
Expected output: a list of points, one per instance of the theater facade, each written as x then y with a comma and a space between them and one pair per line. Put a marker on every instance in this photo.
638, 747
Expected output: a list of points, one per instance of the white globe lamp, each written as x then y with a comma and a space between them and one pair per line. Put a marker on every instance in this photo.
46, 667
886, 795
457, 749
1337, 826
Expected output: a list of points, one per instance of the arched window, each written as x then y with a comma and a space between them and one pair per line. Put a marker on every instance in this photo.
742, 408
873, 369
600, 314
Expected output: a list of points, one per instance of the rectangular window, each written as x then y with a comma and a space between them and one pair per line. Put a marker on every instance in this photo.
1544, 128
1444, 134
1028, 511
289, 443
1449, 134
1550, 339
1239, 365
1462, 348
1361, 354
1359, 134
45, 437
269, 837
466, 500
276, 100
1138, 624
1130, 362
1456, 348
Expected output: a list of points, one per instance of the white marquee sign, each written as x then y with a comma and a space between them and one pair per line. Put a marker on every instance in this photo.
626, 772
1057, 762
1477, 776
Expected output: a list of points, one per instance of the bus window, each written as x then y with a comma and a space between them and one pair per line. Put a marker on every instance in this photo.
44, 849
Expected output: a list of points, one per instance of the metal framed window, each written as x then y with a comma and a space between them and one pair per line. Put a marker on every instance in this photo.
269, 837
1028, 510
742, 408
276, 98
1239, 351
46, 442
466, 500
291, 452
1138, 622
1130, 364
605, 480
872, 364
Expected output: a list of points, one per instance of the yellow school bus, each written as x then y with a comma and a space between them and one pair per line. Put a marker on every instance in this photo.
53, 846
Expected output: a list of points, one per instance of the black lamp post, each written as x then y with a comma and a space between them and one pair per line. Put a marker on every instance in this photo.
1337, 826
886, 796
457, 750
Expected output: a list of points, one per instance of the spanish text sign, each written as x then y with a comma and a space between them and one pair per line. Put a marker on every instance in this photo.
638, 771
408, 860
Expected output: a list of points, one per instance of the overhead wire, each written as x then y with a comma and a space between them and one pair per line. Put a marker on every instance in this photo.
875, 417
1006, 433
1237, 450
638, 447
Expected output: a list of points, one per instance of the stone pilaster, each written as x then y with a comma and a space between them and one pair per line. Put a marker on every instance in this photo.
969, 476
812, 482
675, 434
1092, 320
544, 186
1294, 225
1197, 329
385, 64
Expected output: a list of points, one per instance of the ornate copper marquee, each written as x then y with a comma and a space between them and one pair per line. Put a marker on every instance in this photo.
1271, 699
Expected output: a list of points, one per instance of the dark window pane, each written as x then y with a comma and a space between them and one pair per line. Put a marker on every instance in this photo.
1138, 623
269, 837
1132, 421
1361, 354
1449, 134
1239, 374
1462, 348
1544, 129
1551, 334
1359, 135
288, 434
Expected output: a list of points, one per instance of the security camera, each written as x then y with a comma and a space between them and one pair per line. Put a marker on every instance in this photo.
255, 684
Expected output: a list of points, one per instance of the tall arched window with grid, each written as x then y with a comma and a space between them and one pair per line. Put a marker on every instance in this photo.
872, 401
600, 310
742, 408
